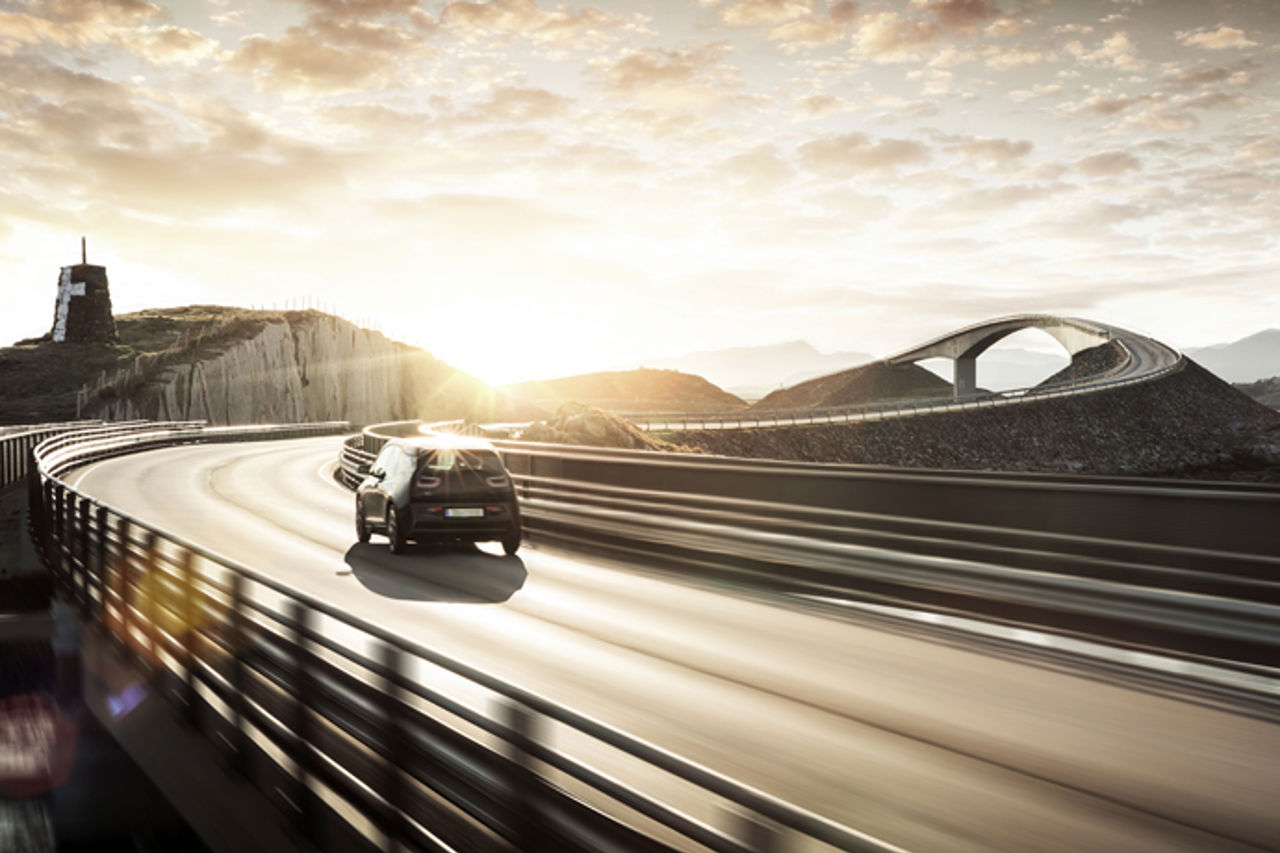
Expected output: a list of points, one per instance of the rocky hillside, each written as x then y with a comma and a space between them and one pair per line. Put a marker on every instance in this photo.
869, 383
1089, 362
1265, 391
631, 391
229, 365
1189, 423
575, 423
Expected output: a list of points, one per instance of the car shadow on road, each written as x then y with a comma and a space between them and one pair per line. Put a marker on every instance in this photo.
458, 573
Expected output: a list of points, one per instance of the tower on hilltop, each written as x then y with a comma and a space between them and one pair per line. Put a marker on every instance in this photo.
83, 311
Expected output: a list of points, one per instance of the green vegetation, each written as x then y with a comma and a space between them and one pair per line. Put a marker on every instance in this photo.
42, 381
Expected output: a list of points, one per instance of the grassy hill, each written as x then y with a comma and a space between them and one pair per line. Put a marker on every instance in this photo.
40, 380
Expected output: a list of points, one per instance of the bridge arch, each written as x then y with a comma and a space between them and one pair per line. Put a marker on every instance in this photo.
964, 346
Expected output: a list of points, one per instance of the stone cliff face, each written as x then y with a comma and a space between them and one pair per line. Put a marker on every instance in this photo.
312, 368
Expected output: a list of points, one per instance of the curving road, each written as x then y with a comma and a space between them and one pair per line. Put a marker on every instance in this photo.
933, 744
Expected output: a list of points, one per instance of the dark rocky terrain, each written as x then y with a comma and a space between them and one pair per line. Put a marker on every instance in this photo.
575, 423
1089, 362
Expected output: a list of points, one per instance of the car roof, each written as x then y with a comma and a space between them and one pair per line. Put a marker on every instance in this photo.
439, 441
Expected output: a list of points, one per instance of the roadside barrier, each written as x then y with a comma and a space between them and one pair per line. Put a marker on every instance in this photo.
343, 724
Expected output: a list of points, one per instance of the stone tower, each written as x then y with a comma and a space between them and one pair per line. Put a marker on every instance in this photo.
83, 310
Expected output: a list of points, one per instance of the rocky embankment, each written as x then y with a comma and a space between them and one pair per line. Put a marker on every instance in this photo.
304, 366
1093, 361
1189, 423
575, 423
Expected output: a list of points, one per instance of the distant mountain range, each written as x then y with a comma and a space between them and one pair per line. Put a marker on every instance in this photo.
1246, 360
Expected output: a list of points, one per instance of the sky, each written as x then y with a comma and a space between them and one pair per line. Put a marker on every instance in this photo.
532, 189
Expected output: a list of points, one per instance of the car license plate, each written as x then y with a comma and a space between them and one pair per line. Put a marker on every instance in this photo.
463, 512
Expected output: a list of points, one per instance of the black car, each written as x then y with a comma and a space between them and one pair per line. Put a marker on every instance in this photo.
438, 487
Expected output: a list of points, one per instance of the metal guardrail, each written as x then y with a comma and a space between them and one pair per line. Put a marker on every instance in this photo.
1175, 565
902, 408
1209, 604
348, 727
17, 443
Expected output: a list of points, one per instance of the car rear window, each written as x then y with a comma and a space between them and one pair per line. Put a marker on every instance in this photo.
450, 459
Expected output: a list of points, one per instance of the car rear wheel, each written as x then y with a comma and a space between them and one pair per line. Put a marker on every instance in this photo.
362, 526
396, 541
511, 543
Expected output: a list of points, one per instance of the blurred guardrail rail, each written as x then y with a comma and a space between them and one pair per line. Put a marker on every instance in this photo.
1179, 566
367, 740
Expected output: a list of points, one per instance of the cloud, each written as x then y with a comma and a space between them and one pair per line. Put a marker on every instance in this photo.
1262, 149
114, 12
1040, 90
1240, 75
1220, 39
752, 13
820, 104
888, 37
1116, 51
71, 23
518, 104
680, 78
995, 199
958, 14
936, 82
170, 45
999, 58
1108, 164
761, 168
998, 151
849, 154
300, 62
808, 33
562, 26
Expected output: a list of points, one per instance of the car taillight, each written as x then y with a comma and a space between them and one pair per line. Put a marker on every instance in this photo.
496, 482
426, 484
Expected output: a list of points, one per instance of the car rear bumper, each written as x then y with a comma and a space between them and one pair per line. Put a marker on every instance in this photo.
431, 521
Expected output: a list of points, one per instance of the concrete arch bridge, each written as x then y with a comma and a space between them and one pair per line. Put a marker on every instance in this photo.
1143, 359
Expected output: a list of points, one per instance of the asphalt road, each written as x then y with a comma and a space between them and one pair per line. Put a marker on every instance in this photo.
931, 744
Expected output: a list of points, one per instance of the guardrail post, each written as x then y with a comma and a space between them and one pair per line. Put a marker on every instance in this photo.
36, 508
100, 562
146, 593
86, 554
188, 636
303, 725
394, 789
120, 579
70, 544
755, 834
238, 643
55, 529
522, 813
